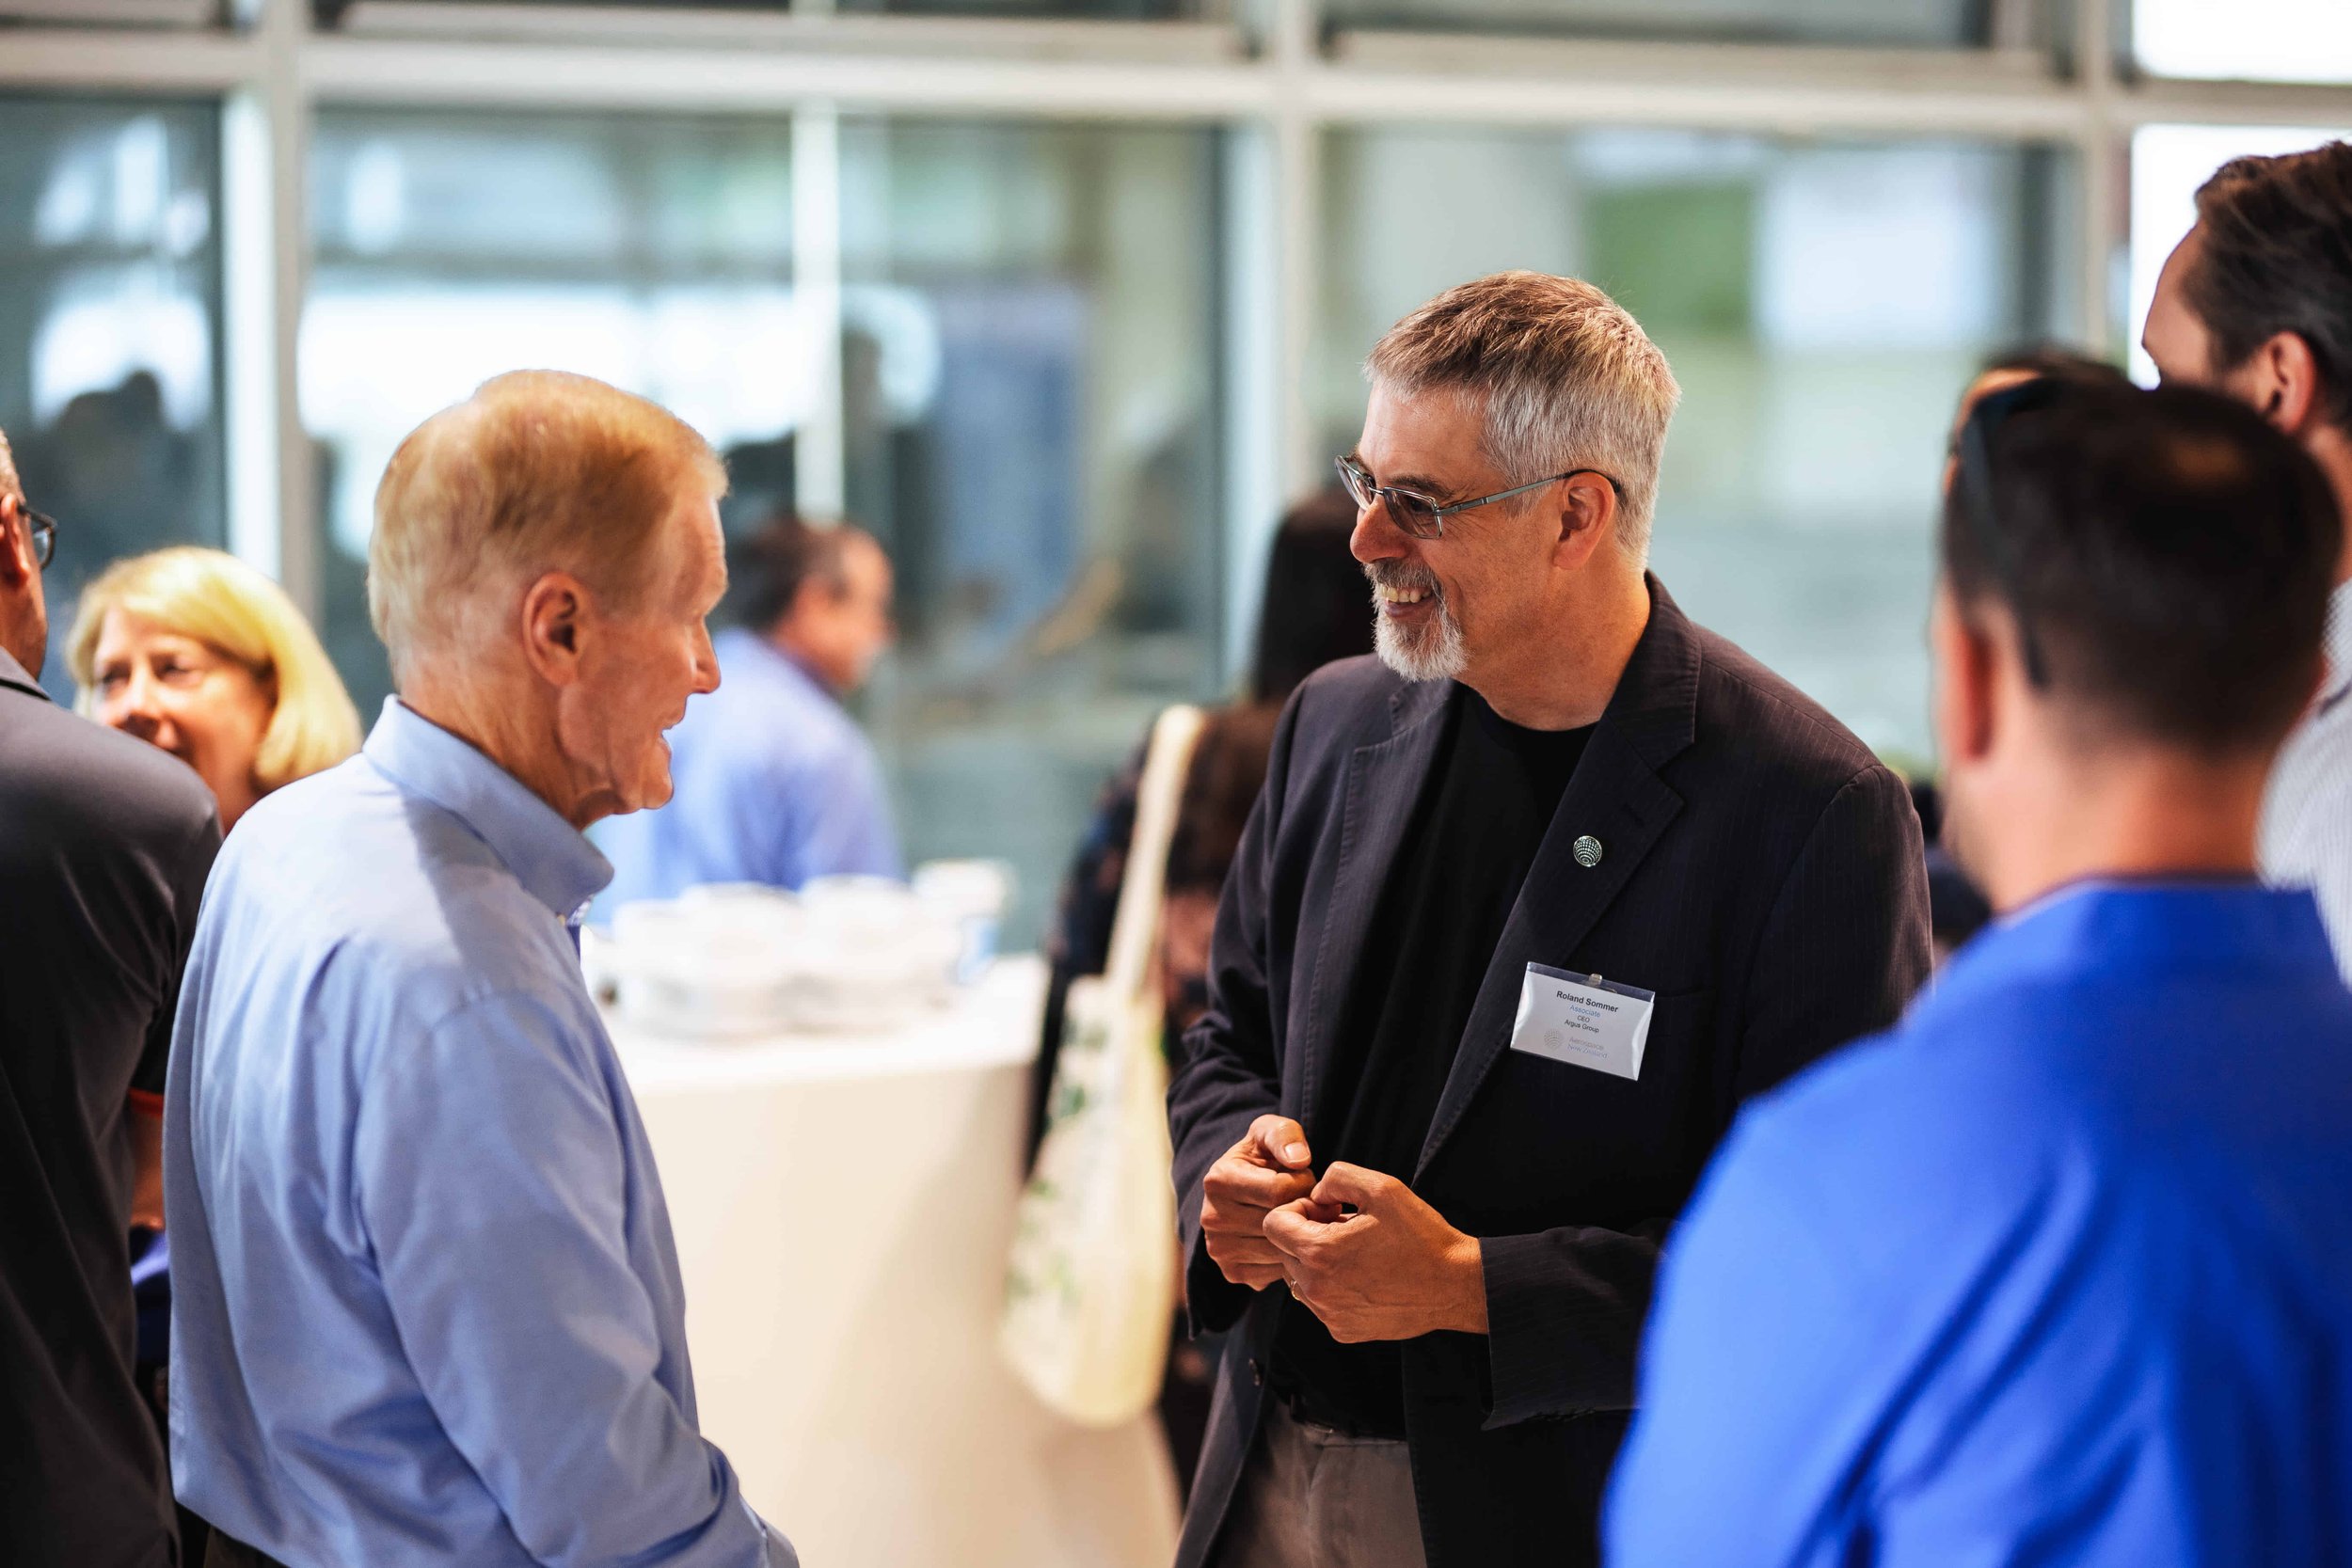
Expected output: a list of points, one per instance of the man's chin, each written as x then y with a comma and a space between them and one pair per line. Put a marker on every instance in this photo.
1429, 654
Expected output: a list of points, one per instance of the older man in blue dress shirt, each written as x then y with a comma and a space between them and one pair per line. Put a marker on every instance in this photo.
2059, 1271
427, 1306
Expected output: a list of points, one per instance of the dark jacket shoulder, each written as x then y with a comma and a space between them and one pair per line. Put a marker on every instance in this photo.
94, 785
1780, 733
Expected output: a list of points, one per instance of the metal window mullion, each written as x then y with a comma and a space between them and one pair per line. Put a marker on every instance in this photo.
820, 447
273, 511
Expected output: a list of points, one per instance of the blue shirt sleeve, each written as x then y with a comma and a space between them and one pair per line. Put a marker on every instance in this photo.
491, 1180
1758, 1400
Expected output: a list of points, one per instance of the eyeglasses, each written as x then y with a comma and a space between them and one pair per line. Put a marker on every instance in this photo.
44, 530
1424, 518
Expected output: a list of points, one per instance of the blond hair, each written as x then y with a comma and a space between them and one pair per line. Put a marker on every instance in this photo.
242, 615
1567, 378
538, 471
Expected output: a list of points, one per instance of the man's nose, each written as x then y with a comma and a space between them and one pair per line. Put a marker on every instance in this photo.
1375, 536
705, 664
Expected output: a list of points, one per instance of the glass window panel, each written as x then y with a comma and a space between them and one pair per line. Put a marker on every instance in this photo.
109, 360
1897, 22
2168, 163
1821, 304
1030, 321
2246, 40
653, 253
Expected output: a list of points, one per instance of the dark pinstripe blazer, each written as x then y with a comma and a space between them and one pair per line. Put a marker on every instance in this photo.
1761, 872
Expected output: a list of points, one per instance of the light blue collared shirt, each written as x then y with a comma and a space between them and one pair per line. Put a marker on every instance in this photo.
776, 785
427, 1306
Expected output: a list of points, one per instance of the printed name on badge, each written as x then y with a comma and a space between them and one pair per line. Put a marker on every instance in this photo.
1582, 1020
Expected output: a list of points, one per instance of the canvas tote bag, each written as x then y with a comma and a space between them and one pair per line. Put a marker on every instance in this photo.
1093, 1276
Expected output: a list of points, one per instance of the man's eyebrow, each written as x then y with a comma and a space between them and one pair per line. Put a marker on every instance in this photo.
1404, 481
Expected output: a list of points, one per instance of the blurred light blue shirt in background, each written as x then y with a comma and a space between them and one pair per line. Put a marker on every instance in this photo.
426, 1303
2057, 1271
776, 785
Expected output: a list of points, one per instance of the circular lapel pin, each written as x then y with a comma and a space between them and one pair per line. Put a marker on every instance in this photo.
1587, 851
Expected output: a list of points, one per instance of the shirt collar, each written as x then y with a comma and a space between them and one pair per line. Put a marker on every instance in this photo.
15, 675
740, 644
2112, 925
555, 863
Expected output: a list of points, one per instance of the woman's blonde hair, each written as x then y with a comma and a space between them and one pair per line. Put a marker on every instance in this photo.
231, 608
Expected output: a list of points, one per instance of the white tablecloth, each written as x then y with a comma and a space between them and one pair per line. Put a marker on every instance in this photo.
842, 1206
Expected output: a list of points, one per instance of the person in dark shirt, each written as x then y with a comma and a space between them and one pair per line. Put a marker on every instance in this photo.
105, 845
1530, 904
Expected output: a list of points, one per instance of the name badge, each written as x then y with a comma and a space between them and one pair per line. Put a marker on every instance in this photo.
1582, 1020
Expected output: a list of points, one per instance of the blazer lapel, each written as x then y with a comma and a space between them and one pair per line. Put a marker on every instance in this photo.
1384, 787
1617, 798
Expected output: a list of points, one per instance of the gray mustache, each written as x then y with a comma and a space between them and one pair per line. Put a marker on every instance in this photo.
1402, 574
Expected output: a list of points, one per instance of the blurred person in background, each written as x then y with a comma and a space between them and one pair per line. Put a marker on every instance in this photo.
2059, 1269
2256, 303
198, 655
1428, 1214
196, 652
426, 1304
776, 783
1311, 613
105, 845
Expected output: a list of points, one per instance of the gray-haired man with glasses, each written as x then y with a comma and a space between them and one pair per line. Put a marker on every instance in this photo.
104, 845
1531, 903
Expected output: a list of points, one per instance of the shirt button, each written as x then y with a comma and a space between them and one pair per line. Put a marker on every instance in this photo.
1257, 1372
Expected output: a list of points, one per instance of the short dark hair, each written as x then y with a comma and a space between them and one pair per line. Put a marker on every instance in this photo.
2167, 557
765, 570
2276, 256
1317, 607
2058, 362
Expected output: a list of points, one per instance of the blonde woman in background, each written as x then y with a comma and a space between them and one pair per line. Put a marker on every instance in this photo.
194, 651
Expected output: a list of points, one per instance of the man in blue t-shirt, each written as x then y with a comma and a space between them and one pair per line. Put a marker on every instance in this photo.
2059, 1271
776, 783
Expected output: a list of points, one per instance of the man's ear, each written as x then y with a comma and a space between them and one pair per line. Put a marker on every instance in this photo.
1966, 690
1587, 517
17, 565
2281, 380
557, 612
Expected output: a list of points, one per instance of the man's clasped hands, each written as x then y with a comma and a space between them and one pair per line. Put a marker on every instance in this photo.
1356, 1248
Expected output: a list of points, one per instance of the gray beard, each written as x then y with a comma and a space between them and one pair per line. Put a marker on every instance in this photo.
1435, 654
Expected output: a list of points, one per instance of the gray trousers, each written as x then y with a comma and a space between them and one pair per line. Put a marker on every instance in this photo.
1312, 1498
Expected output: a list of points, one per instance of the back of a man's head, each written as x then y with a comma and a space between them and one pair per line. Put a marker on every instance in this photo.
768, 570
1566, 376
2275, 238
538, 471
2167, 557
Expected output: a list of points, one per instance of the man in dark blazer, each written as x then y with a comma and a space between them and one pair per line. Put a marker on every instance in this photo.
1431, 1225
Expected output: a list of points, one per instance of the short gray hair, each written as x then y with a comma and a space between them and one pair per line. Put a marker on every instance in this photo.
1566, 377
12, 487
